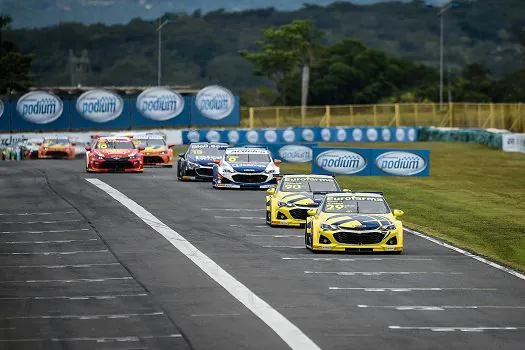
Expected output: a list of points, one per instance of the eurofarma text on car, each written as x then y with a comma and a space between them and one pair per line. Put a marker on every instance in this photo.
156, 151
114, 154
288, 203
198, 160
354, 222
246, 167
56, 147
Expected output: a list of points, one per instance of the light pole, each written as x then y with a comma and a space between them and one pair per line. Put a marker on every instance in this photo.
441, 14
159, 54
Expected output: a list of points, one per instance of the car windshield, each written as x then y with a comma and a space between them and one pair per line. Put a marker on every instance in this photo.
248, 158
206, 152
114, 145
308, 184
57, 142
356, 204
150, 143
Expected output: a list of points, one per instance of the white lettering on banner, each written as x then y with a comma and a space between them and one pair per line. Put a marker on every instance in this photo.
40, 107
341, 162
401, 163
215, 102
100, 106
296, 153
160, 104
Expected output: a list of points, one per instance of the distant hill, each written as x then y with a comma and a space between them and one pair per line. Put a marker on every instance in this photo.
40, 13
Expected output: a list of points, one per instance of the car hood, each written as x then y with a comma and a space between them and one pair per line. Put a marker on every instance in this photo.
116, 152
56, 146
204, 160
358, 221
307, 199
249, 167
155, 149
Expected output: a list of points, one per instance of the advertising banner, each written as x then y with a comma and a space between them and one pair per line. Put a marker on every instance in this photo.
98, 108
370, 162
215, 105
291, 153
513, 142
159, 106
5, 115
39, 110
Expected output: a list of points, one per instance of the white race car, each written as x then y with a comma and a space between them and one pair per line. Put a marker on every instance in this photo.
246, 167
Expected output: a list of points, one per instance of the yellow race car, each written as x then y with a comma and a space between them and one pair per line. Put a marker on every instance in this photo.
156, 151
288, 203
354, 222
56, 147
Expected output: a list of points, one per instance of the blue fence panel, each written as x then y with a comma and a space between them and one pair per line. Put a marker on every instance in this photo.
94, 120
289, 153
171, 113
49, 117
231, 116
341, 161
400, 162
5, 116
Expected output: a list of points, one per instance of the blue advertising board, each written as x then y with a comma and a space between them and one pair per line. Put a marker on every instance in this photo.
160, 107
290, 153
5, 115
97, 109
39, 110
300, 135
215, 105
370, 162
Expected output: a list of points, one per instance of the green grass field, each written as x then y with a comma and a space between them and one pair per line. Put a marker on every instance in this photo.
474, 197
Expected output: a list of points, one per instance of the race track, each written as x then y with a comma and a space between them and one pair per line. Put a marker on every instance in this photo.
190, 267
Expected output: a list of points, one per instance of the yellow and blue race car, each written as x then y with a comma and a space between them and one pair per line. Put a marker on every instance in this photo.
354, 222
288, 203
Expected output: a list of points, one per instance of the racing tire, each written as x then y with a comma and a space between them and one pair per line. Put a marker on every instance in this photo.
268, 218
179, 176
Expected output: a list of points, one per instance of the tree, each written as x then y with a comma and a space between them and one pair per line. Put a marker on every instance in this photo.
284, 50
15, 67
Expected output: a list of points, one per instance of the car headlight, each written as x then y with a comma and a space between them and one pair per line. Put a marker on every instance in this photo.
283, 204
192, 165
390, 227
227, 168
99, 157
327, 227
133, 156
164, 152
270, 169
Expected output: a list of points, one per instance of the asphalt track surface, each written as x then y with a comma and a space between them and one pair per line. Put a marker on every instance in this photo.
79, 270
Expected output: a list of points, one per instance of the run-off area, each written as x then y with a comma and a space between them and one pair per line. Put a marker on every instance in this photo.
425, 298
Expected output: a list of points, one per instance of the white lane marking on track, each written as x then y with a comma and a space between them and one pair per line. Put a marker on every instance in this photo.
46, 242
79, 280
57, 253
48, 231
240, 217
232, 209
277, 236
438, 308
246, 226
378, 273
457, 329
77, 297
80, 266
468, 254
82, 317
29, 214
354, 259
288, 332
131, 338
38, 222
402, 289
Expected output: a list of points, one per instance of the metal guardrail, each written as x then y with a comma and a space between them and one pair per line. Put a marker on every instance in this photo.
509, 116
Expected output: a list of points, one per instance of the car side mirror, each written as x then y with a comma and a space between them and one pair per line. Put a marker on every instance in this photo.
271, 191
398, 213
217, 161
312, 212
181, 155
141, 148
277, 161
171, 145
88, 148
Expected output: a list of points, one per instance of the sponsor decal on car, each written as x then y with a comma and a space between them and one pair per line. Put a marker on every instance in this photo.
215, 102
40, 107
296, 153
159, 103
100, 106
341, 162
401, 163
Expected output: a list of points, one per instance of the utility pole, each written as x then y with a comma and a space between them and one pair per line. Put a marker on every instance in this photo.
159, 54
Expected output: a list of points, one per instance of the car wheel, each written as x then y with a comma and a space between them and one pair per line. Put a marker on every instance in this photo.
268, 218
179, 175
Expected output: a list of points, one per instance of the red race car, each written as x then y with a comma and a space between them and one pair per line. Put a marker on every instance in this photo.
114, 154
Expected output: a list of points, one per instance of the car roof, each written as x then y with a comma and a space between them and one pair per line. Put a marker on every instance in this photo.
351, 194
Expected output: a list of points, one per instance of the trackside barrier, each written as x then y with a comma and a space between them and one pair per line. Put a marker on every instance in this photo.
489, 137
513, 142
370, 162
290, 153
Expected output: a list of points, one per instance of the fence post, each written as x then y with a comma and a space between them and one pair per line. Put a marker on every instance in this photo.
451, 114
328, 115
491, 115
479, 115
277, 117
434, 114
416, 113
502, 115
397, 114
252, 115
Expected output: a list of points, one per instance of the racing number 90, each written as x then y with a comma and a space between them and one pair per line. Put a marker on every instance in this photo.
292, 186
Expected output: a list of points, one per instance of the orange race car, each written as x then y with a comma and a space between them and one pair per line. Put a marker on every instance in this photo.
114, 154
156, 151
56, 147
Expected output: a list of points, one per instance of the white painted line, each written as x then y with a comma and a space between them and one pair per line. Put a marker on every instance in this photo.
438, 308
131, 338
285, 246
78, 297
353, 259
240, 217
48, 242
277, 236
48, 231
232, 209
457, 329
290, 334
214, 315
58, 253
468, 254
247, 226
38, 222
79, 280
29, 214
80, 266
82, 317
402, 289
377, 273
